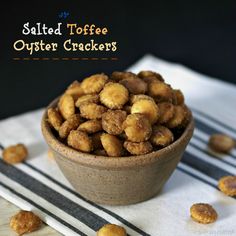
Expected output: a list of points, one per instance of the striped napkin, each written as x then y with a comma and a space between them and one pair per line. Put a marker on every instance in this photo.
38, 185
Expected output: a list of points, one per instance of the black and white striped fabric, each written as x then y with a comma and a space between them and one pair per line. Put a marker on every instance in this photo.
38, 184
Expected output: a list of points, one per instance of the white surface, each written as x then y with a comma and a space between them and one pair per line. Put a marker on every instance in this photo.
168, 213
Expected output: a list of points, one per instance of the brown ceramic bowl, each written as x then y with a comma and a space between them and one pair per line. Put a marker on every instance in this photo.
116, 180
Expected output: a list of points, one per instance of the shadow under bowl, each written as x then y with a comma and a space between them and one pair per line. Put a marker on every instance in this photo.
116, 180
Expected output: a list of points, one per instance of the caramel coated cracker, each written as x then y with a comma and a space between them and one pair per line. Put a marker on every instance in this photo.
203, 213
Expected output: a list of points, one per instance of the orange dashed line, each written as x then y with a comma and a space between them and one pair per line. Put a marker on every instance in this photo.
64, 58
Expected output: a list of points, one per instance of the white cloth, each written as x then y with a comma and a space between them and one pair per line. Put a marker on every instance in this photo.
39, 185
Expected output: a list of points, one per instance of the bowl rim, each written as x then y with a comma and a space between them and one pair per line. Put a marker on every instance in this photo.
110, 162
